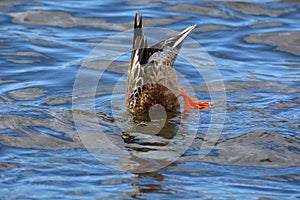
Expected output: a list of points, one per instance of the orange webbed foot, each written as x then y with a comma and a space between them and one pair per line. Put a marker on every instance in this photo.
191, 103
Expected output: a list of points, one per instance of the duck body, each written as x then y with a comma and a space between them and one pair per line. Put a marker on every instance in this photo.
152, 78
155, 82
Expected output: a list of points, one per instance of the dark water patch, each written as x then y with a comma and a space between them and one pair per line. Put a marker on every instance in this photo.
197, 9
7, 166
40, 141
7, 5
119, 67
46, 43
27, 94
257, 9
24, 54
65, 20
22, 61
259, 148
26, 136
211, 27
267, 25
52, 101
4, 100
51, 18
284, 41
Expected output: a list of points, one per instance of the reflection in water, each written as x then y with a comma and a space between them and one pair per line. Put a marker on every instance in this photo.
150, 139
153, 140
154, 186
155, 123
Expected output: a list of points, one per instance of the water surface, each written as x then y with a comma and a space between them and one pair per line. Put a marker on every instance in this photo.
44, 44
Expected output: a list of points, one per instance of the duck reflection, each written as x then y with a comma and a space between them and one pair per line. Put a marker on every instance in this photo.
155, 128
156, 123
150, 139
148, 142
154, 185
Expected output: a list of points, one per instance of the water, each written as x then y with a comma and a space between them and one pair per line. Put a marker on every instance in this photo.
43, 46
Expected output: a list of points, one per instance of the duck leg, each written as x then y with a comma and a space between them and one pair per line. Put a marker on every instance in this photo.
191, 103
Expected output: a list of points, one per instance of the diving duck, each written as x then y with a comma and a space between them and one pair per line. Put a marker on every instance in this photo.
152, 78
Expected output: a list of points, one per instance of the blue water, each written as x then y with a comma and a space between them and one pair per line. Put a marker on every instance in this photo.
47, 118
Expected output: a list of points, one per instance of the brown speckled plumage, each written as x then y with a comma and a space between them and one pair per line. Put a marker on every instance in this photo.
152, 78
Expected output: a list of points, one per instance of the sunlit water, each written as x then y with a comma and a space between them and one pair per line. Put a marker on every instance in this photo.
43, 46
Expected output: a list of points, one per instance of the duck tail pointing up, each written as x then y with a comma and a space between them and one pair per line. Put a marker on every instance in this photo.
180, 38
138, 36
138, 19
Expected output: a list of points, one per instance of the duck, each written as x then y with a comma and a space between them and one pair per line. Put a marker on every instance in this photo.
152, 77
